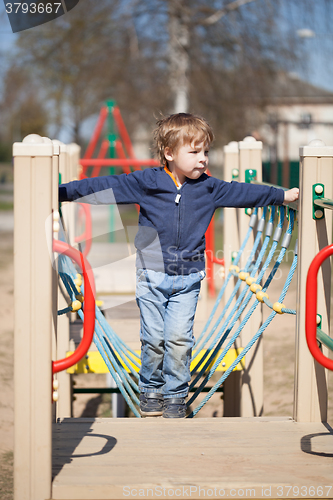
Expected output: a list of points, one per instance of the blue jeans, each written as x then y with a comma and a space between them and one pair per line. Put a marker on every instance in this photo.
167, 308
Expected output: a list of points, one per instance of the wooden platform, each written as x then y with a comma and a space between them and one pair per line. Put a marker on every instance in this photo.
192, 458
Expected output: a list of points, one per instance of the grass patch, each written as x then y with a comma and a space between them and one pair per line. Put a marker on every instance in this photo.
6, 205
6, 476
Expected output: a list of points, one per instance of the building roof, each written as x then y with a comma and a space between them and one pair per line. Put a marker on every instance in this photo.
290, 89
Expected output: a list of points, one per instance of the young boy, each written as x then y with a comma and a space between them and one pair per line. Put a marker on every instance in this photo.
177, 202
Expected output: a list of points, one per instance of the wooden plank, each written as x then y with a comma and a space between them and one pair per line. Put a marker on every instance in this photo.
106, 458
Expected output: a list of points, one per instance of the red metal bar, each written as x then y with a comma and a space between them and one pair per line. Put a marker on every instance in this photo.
209, 252
123, 132
121, 154
311, 307
102, 152
94, 139
216, 260
89, 307
115, 162
97, 133
87, 235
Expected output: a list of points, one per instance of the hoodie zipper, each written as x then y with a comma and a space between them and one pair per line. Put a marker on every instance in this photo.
177, 201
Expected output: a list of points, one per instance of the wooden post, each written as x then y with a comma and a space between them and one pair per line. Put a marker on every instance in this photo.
316, 166
64, 404
252, 391
33, 318
231, 243
55, 223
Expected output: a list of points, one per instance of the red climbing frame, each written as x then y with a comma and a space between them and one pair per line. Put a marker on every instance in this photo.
311, 307
89, 307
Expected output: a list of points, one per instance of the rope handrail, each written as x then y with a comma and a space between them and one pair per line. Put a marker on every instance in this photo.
324, 338
324, 203
311, 307
89, 306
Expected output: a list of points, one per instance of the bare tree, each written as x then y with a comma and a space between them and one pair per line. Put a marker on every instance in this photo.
75, 58
218, 58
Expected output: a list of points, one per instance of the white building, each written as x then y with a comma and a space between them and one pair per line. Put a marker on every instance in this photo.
294, 114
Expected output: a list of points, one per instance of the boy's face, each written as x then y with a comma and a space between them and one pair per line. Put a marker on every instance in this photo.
190, 160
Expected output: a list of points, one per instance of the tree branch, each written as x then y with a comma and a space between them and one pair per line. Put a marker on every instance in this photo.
214, 18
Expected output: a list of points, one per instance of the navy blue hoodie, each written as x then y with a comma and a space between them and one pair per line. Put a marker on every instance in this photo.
171, 236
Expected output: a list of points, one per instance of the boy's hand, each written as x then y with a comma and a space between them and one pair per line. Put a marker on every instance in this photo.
291, 195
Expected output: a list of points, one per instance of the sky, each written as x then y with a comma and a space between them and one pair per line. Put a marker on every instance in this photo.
316, 66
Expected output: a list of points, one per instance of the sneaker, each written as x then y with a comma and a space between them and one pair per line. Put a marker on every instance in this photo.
174, 408
151, 404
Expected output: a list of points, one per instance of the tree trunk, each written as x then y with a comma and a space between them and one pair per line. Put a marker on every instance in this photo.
179, 57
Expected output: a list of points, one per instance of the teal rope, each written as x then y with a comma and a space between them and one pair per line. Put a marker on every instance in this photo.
113, 366
221, 356
65, 311
283, 309
67, 264
238, 284
221, 293
113, 339
123, 380
212, 352
238, 307
251, 343
118, 368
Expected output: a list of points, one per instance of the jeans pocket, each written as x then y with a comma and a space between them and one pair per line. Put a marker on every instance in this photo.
199, 276
202, 275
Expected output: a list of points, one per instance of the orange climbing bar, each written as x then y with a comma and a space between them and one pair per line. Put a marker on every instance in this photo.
87, 235
311, 307
88, 308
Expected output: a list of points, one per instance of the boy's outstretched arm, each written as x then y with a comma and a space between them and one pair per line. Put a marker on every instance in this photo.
110, 189
291, 195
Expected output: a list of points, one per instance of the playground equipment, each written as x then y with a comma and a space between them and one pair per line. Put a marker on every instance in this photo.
36, 341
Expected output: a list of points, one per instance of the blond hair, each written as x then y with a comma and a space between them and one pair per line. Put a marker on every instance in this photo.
179, 130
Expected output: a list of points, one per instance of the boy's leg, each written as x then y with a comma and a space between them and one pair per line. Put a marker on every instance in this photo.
152, 302
178, 334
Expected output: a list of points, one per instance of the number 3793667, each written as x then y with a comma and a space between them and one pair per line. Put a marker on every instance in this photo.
32, 8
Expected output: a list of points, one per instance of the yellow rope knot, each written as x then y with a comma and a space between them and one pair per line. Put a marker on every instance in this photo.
243, 275
277, 307
234, 268
78, 281
75, 305
250, 280
260, 296
255, 287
